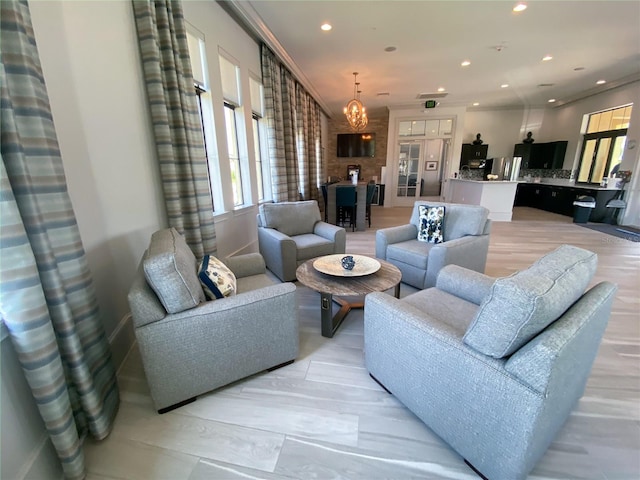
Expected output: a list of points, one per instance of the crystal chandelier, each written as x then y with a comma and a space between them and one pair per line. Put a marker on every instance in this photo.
355, 111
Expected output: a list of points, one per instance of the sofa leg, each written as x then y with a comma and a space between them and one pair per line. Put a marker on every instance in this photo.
475, 470
280, 366
378, 382
177, 405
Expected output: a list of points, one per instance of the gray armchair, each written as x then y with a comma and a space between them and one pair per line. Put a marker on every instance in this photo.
189, 345
466, 243
290, 233
492, 366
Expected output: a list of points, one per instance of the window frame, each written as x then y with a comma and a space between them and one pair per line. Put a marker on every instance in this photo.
594, 177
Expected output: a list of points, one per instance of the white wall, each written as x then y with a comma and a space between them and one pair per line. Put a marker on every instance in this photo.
500, 130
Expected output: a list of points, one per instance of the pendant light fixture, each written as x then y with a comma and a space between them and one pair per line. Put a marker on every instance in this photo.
355, 111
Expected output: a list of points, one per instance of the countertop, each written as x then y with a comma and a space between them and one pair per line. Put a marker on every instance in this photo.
483, 181
558, 182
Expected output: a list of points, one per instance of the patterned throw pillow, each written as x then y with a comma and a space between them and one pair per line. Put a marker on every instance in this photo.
216, 278
431, 224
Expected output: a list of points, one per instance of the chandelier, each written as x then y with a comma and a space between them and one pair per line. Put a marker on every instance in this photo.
355, 111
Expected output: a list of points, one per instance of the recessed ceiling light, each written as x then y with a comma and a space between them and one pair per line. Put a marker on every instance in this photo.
390, 49
546, 58
520, 7
600, 82
504, 85
465, 63
441, 89
475, 104
326, 27
551, 100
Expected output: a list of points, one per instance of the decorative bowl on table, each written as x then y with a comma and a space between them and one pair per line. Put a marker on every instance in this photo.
333, 265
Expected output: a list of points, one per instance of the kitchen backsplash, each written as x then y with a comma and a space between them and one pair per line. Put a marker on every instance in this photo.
546, 173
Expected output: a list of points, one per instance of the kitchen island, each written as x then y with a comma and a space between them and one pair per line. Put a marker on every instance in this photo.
496, 195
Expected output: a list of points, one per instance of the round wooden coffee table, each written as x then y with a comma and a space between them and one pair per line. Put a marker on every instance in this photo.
388, 276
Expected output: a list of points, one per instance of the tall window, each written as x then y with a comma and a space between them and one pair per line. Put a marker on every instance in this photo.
198, 57
603, 145
258, 155
234, 154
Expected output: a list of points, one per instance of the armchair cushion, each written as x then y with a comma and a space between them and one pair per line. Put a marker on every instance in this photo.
461, 220
170, 269
431, 224
217, 280
296, 219
519, 307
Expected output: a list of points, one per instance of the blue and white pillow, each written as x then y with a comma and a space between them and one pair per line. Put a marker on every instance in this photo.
431, 224
216, 278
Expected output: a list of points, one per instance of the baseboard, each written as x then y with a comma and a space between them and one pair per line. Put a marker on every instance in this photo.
122, 340
43, 462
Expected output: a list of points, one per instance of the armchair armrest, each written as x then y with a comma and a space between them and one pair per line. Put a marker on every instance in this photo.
469, 252
388, 236
464, 283
246, 303
333, 233
279, 252
246, 265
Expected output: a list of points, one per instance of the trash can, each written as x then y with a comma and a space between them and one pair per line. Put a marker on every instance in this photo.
582, 210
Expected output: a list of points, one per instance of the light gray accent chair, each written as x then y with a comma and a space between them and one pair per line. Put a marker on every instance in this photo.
493, 366
190, 345
290, 233
466, 243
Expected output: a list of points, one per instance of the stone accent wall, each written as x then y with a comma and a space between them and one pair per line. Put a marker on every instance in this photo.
369, 166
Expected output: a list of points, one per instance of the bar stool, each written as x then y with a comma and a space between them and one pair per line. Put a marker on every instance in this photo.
346, 205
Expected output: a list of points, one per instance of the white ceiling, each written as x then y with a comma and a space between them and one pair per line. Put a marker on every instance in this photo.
432, 39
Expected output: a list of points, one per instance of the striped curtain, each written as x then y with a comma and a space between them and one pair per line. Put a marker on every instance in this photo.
176, 124
47, 299
280, 114
310, 161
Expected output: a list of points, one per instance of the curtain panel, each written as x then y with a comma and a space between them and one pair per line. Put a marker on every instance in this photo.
162, 38
47, 299
310, 161
279, 99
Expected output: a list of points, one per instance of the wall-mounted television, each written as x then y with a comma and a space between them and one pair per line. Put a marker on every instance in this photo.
356, 145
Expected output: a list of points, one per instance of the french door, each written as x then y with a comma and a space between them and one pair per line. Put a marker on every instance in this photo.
419, 170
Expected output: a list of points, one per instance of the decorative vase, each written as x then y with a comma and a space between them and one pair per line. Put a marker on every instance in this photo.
348, 262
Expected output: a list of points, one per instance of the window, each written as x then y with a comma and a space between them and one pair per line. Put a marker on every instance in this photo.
603, 145
258, 154
198, 57
234, 154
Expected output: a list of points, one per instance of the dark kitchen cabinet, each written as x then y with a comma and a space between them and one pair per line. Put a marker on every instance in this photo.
559, 199
472, 155
541, 156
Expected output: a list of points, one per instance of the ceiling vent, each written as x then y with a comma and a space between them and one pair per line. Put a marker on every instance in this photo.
383, 94
426, 96
545, 84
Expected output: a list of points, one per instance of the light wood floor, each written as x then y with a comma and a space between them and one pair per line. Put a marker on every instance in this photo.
323, 417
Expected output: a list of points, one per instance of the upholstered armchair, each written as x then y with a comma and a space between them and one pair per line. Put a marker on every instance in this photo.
466, 243
191, 345
290, 233
492, 366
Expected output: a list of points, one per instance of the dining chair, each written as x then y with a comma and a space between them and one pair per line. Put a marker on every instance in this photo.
346, 205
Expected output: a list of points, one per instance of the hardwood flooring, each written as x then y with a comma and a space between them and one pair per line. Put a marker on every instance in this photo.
323, 416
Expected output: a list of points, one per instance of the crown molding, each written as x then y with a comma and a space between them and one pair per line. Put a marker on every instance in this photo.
244, 13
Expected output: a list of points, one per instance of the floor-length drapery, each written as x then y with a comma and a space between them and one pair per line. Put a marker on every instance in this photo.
47, 300
280, 112
310, 161
164, 51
